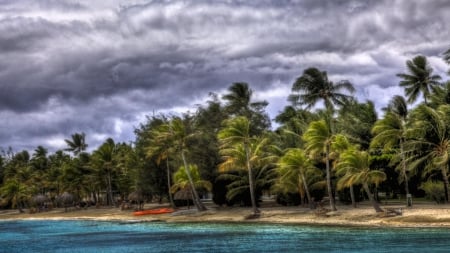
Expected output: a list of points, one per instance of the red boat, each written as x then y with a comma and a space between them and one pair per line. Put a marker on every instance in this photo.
154, 211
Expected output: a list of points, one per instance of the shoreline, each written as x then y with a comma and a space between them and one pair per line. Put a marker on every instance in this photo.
418, 216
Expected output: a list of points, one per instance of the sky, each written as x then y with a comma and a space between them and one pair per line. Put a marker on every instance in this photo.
101, 67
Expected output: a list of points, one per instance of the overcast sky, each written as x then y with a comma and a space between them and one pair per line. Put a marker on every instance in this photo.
100, 67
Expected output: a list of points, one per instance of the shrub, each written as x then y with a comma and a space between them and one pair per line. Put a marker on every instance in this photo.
434, 191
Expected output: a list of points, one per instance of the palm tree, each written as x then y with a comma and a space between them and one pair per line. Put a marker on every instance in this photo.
239, 103
77, 144
296, 171
313, 86
429, 141
390, 132
318, 138
182, 182
354, 168
162, 152
103, 159
14, 191
241, 150
177, 134
362, 117
420, 79
440, 95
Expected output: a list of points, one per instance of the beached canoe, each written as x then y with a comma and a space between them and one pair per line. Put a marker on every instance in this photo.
154, 211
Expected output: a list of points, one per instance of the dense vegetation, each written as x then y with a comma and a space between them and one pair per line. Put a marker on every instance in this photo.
328, 144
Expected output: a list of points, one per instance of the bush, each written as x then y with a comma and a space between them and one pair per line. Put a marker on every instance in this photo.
434, 191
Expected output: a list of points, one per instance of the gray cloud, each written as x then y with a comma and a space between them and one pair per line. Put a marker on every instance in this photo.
101, 66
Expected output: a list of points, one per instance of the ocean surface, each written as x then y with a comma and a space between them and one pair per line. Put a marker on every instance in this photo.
98, 236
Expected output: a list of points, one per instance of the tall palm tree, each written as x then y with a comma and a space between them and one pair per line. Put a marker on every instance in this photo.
241, 150
238, 102
313, 86
162, 151
429, 141
390, 132
419, 79
354, 169
77, 144
103, 159
296, 170
177, 134
318, 138
339, 145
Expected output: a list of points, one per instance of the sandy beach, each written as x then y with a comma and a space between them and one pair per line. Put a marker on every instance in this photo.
420, 215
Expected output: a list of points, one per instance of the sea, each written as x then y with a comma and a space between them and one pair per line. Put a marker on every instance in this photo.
101, 236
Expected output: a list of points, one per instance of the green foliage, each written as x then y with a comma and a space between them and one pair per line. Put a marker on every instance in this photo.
434, 191
419, 79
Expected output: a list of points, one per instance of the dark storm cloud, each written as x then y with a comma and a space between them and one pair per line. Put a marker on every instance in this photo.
101, 66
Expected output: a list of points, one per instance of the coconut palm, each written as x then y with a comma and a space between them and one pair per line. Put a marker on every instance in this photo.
440, 95
313, 86
241, 150
239, 103
103, 160
354, 168
339, 145
162, 151
318, 138
177, 133
182, 181
429, 141
14, 192
296, 171
419, 79
390, 133
77, 144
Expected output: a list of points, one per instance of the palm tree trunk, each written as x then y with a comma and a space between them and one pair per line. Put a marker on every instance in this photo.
330, 191
110, 197
352, 196
446, 183
250, 180
408, 203
375, 204
308, 195
198, 204
172, 204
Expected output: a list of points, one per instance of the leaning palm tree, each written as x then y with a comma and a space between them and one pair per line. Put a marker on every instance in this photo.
429, 141
318, 138
390, 132
241, 150
296, 171
313, 86
420, 79
77, 144
182, 181
354, 168
177, 134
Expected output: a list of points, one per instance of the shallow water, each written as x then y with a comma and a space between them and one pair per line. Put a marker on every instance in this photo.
98, 236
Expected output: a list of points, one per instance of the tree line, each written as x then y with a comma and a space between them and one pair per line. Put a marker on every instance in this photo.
328, 145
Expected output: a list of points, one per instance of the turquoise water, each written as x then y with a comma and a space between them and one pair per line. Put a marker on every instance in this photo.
97, 236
